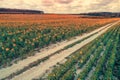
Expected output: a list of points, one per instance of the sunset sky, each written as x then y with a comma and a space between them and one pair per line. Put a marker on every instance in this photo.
64, 6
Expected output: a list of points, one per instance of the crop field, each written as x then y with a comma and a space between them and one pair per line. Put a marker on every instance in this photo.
99, 60
59, 47
19, 36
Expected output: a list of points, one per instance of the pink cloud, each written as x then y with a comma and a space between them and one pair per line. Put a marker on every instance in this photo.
64, 1
47, 3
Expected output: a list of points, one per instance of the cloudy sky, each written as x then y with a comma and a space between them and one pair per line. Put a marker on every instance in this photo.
64, 6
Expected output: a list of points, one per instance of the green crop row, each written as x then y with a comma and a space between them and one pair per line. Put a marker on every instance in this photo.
67, 70
88, 52
60, 70
95, 57
116, 68
63, 68
110, 50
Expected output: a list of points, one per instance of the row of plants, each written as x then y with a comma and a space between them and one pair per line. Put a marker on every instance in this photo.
70, 75
79, 62
81, 57
107, 69
92, 61
100, 64
105, 72
110, 64
108, 73
110, 49
84, 58
60, 70
66, 73
116, 67
88, 66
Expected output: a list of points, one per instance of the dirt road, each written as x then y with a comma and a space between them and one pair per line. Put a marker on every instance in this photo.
41, 68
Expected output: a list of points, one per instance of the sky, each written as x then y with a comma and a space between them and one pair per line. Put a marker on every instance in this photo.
64, 6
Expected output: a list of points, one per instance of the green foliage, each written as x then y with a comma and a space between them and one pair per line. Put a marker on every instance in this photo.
17, 42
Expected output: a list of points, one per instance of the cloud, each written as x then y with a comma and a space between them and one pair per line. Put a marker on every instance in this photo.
47, 2
64, 1
64, 6
103, 6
